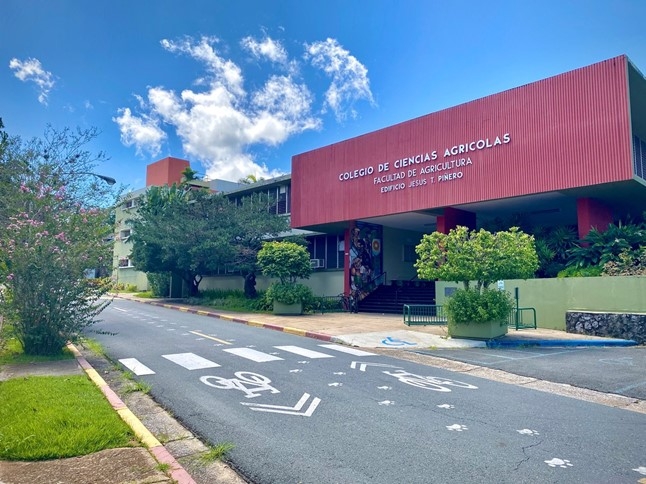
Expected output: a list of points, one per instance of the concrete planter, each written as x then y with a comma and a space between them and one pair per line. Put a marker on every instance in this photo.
288, 309
491, 330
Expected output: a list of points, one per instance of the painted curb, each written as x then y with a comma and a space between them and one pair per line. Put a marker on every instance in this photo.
177, 472
228, 317
558, 343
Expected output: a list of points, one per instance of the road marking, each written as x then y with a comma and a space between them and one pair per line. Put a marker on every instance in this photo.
191, 361
119, 309
347, 349
389, 341
295, 410
363, 366
135, 366
303, 352
210, 337
630, 387
253, 355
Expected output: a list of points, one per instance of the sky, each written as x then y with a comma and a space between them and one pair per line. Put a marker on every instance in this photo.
239, 87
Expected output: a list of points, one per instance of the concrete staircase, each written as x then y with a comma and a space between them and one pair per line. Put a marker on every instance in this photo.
390, 299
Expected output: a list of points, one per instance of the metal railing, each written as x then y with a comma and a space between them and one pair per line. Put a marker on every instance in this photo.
332, 304
424, 314
433, 314
522, 318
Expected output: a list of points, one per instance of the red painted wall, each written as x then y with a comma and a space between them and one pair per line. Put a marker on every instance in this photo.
165, 171
567, 131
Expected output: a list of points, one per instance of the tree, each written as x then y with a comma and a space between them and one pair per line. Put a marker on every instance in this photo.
57, 221
255, 225
288, 261
478, 256
481, 257
191, 233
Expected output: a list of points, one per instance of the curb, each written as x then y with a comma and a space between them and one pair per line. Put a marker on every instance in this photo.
177, 472
546, 343
257, 324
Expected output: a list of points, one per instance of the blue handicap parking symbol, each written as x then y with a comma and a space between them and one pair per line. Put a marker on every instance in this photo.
396, 342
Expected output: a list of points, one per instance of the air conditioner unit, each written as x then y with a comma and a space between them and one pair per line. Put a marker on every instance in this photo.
317, 263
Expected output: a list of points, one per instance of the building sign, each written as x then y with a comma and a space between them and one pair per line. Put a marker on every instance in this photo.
424, 169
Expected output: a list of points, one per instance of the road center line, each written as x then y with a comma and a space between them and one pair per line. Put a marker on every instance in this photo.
210, 337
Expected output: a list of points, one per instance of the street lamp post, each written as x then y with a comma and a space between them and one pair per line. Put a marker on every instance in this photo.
108, 179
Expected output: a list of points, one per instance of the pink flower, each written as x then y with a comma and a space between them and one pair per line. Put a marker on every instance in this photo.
10, 277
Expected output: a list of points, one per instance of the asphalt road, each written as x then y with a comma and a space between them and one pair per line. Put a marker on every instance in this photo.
618, 370
302, 411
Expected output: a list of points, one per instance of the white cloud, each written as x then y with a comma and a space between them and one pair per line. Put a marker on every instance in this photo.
217, 120
32, 71
269, 48
140, 131
350, 81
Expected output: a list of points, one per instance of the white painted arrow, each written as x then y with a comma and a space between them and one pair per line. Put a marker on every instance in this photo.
363, 366
295, 410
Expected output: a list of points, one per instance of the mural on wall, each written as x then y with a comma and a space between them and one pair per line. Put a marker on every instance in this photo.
365, 258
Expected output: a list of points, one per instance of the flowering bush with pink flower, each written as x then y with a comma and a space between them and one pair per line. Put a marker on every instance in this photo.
54, 229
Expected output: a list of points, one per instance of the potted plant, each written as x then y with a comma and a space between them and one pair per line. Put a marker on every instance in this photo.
477, 259
288, 262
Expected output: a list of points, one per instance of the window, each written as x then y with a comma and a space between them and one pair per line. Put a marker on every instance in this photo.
125, 234
131, 203
124, 263
325, 249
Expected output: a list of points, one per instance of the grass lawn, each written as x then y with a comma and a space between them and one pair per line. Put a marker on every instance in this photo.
12, 352
54, 417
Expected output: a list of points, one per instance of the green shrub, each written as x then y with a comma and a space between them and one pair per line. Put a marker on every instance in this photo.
159, 283
123, 287
575, 271
290, 293
467, 306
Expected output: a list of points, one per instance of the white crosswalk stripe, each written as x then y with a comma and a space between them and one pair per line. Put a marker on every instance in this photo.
135, 366
253, 355
191, 361
347, 349
303, 352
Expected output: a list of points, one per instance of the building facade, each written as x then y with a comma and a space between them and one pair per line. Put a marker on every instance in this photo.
570, 149
567, 150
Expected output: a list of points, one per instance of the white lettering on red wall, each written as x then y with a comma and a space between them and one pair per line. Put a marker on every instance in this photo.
423, 169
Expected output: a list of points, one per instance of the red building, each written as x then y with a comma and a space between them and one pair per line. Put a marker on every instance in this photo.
570, 149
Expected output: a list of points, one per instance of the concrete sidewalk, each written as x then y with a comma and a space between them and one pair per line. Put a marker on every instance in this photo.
384, 330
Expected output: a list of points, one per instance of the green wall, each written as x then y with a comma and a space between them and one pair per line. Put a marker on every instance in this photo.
553, 297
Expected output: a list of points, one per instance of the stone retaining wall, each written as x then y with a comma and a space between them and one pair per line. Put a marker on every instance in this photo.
614, 325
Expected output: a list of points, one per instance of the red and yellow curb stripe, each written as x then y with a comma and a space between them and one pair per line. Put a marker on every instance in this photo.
177, 472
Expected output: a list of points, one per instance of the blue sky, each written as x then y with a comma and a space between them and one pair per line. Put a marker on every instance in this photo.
238, 87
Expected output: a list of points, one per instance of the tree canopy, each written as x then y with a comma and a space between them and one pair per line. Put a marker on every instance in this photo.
192, 232
479, 256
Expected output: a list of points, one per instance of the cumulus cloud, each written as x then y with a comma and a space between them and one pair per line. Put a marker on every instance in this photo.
31, 70
217, 120
142, 132
350, 81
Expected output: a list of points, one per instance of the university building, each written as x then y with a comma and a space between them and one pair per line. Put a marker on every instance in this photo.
567, 150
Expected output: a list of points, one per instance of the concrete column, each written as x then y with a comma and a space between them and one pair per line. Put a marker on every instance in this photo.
591, 214
453, 217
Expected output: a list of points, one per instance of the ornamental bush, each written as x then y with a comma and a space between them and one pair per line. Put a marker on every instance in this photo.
479, 257
467, 306
287, 261
55, 231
